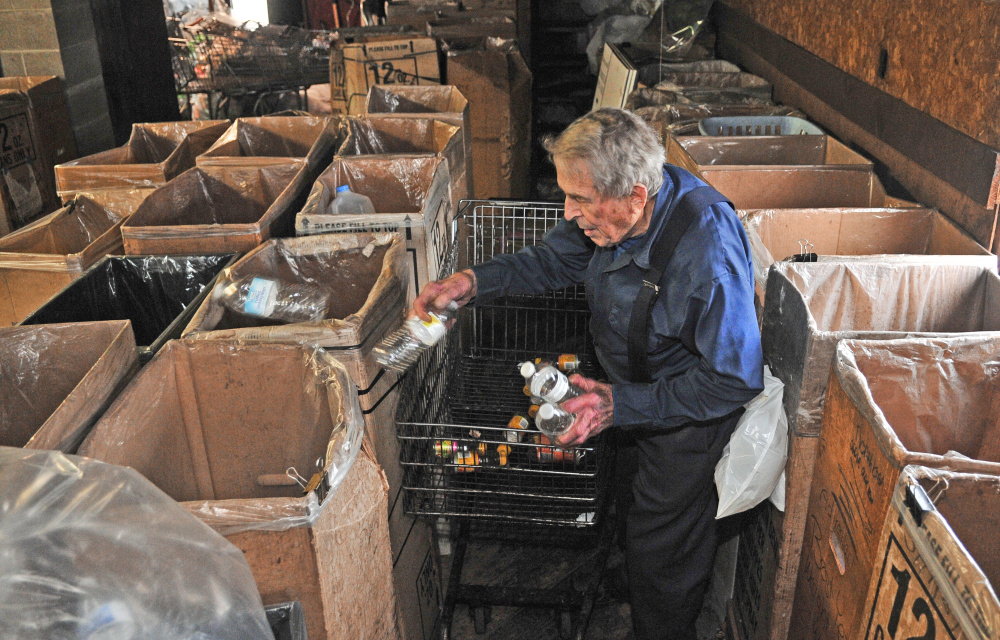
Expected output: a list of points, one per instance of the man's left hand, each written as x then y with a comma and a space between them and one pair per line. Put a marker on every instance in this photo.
594, 411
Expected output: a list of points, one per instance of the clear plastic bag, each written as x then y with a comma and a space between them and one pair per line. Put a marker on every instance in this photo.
92, 550
754, 460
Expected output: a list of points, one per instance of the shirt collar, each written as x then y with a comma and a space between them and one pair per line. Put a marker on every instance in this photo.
638, 251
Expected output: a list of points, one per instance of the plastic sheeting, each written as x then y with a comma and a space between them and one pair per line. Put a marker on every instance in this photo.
92, 551
268, 137
56, 242
250, 441
384, 136
683, 119
150, 291
415, 99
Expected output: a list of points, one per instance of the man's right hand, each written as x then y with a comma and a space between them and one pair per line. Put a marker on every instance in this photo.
459, 288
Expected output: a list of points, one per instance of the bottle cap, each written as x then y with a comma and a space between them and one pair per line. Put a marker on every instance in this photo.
527, 369
547, 411
342, 188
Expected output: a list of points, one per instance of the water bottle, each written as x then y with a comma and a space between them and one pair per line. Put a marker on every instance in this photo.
348, 202
401, 348
553, 420
273, 299
552, 385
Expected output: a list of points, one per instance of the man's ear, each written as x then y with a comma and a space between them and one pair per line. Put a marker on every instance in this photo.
637, 200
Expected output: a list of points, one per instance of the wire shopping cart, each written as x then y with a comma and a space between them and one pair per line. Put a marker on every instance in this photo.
464, 462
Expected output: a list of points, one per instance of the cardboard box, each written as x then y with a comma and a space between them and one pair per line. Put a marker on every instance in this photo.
938, 559
914, 234
809, 308
444, 103
780, 172
198, 423
929, 401
411, 195
56, 380
494, 78
271, 140
159, 294
215, 209
375, 60
154, 154
36, 262
388, 136
24, 192
367, 276
51, 116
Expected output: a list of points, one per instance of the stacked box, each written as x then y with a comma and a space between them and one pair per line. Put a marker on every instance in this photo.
379, 59
57, 379
926, 401
366, 275
199, 423
25, 191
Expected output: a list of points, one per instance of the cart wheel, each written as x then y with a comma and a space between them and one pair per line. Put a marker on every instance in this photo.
481, 617
565, 625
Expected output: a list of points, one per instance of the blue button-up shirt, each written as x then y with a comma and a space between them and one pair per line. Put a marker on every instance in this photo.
704, 344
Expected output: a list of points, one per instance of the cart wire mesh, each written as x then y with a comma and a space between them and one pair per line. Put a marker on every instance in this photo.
460, 454
212, 55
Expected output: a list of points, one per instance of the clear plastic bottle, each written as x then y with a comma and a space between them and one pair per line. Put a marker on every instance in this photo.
272, 299
552, 385
553, 420
348, 202
400, 349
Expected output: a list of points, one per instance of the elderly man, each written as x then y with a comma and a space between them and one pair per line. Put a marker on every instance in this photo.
669, 281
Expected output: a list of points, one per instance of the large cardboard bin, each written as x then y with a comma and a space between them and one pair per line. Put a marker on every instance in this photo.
26, 189
154, 154
444, 103
389, 135
494, 78
36, 262
411, 195
270, 140
223, 428
216, 209
811, 307
159, 294
51, 116
379, 59
57, 379
780, 172
937, 559
929, 401
366, 275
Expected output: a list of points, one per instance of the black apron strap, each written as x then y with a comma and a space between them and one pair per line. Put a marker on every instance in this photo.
687, 210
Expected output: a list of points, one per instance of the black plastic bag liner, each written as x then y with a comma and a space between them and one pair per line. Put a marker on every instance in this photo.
287, 621
157, 293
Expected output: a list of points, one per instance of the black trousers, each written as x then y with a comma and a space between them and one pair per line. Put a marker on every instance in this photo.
666, 501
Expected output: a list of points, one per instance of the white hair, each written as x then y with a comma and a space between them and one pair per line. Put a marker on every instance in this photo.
619, 148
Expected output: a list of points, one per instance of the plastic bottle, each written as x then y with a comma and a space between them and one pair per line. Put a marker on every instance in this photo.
553, 420
552, 454
348, 202
273, 299
517, 422
400, 349
468, 461
552, 385
568, 362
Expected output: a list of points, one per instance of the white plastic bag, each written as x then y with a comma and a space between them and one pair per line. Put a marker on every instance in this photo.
754, 460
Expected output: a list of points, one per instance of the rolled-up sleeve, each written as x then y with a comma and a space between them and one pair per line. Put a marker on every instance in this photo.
558, 261
721, 327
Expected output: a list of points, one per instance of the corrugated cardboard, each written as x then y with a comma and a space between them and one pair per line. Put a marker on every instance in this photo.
929, 401
808, 310
38, 261
938, 559
51, 116
154, 154
780, 172
389, 136
494, 78
377, 60
271, 140
57, 379
216, 209
411, 196
444, 103
367, 276
199, 424
24, 192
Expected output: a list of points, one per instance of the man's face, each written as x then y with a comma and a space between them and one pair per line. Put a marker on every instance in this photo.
606, 221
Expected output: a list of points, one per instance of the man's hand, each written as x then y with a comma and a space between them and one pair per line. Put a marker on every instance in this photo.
460, 288
594, 411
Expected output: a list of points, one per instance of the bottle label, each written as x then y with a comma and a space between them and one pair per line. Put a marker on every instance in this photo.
260, 293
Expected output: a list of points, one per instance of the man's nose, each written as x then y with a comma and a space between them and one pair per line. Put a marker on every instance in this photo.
570, 212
